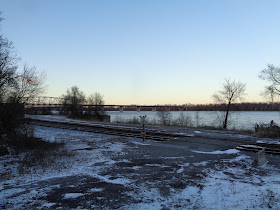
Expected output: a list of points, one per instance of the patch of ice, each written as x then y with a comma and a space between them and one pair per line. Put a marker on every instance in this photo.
72, 195
219, 152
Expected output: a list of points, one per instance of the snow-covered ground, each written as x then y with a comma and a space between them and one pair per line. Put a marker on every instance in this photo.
96, 171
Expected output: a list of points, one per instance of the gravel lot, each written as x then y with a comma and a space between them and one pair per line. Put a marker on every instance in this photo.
96, 171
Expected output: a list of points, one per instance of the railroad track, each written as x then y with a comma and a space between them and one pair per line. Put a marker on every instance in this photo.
152, 134
270, 148
134, 132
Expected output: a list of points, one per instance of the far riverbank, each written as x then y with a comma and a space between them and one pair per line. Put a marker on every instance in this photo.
239, 120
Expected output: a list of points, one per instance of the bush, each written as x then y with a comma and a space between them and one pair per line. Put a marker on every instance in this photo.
183, 120
3, 149
19, 142
164, 117
20, 137
270, 130
11, 116
270, 133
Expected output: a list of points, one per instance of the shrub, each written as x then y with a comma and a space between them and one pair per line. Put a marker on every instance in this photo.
270, 133
164, 117
270, 130
11, 116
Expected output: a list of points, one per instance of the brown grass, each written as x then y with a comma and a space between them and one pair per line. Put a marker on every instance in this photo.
269, 132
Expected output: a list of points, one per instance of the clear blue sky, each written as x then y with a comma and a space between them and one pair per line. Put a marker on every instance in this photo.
146, 51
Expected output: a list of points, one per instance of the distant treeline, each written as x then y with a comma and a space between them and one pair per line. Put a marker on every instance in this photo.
235, 107
261, 106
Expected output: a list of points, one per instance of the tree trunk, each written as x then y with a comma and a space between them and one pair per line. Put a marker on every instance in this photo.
226, 118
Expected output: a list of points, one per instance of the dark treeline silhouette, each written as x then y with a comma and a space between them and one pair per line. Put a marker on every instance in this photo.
261, 106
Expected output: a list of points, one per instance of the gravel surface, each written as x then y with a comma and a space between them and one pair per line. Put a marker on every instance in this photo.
97, 171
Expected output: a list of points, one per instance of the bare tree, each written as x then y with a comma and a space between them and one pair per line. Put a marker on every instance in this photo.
231, 92
183, 120
14, 86
164, 117
29, 84
73, 98
272, 75
197, 118
8, 66
97, 100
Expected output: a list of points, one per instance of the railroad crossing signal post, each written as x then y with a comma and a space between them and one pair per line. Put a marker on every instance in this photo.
143, 121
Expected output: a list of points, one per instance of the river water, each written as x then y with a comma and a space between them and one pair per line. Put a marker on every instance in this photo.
237, 120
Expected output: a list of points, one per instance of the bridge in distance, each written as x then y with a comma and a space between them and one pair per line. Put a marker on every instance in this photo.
59, 103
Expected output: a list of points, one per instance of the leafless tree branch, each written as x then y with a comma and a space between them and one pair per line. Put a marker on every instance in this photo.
231, 92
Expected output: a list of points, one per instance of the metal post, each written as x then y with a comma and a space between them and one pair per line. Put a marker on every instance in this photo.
143, 121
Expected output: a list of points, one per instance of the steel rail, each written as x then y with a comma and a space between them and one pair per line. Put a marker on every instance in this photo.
152, 134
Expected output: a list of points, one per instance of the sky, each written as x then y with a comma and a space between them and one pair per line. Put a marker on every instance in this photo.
146, 52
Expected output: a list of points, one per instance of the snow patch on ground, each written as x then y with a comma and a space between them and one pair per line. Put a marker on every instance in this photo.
140, 143
72, 195
96, 190
171, 157
180, 170
251, 146
233, 184
268, 142
136, 167
219, 152
48, 205
203, 163
185, 165
219, 190
112, 180
222, 191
